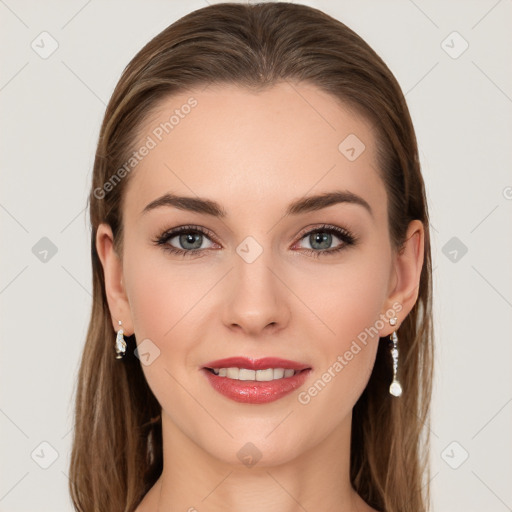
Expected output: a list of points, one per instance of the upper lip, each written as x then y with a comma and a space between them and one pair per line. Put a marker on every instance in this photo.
256, 364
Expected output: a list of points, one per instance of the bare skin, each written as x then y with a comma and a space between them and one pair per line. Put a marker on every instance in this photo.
254, 154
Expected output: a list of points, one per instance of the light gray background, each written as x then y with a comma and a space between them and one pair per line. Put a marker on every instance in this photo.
51, 110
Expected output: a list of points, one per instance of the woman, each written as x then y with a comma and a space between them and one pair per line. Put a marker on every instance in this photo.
261, 331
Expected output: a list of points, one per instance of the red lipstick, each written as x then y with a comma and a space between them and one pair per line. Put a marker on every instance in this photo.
254, 391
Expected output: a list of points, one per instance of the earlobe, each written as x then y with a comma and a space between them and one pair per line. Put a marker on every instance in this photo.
113, 271
407, 269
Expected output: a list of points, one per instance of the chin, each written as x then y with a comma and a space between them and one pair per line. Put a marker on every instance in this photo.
258, 449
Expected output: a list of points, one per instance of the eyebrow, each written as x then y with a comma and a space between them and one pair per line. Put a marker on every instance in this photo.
297, 207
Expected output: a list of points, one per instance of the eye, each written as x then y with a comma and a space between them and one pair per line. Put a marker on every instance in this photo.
184, 240
321, 238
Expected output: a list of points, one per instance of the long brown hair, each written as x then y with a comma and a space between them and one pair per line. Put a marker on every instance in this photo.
117, 448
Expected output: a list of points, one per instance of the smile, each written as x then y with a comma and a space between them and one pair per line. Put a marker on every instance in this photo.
255, 381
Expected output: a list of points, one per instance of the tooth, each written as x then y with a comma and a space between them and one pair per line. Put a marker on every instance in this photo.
258, 375
278, 373
246, 374
233, 373
265, 375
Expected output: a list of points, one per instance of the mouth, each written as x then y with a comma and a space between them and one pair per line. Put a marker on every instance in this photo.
255, 381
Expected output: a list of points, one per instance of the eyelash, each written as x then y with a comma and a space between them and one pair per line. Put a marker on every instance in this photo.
346, 237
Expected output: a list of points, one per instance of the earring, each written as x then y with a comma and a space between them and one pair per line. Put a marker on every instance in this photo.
120, 343
395, 387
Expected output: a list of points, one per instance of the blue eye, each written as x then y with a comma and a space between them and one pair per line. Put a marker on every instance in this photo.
191, 238
322, 238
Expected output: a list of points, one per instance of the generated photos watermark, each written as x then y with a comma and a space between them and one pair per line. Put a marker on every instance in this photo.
305, 397
157, 135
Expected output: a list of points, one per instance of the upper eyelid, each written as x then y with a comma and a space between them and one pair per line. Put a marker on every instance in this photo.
327, 227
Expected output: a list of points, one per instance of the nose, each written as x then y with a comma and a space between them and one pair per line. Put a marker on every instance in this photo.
257, 299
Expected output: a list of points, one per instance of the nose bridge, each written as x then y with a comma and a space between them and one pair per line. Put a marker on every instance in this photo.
256, 293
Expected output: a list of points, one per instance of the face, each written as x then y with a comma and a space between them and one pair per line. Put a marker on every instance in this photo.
273, 276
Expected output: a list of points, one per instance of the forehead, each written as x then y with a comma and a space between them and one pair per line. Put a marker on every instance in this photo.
244, 148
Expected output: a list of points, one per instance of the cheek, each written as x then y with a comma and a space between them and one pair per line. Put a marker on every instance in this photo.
348, 300
161, 293
162, 300
167, 302
348, 304
152, 301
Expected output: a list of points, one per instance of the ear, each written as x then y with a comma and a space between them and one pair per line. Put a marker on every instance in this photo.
113, 271
406, 273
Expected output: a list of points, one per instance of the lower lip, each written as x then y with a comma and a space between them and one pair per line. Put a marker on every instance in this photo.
256, 392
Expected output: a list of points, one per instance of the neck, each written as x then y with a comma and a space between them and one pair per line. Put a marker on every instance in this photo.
193, 480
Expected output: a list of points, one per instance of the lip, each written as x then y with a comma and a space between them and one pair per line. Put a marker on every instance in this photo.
256, 364
251, 391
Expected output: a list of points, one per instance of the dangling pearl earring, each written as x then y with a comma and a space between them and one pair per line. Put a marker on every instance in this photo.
120, 343
395, 387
